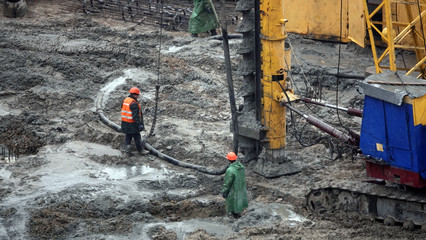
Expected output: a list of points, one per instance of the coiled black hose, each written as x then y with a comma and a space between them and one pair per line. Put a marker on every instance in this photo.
151, 149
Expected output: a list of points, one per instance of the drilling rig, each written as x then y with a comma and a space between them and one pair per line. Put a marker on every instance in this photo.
393, 126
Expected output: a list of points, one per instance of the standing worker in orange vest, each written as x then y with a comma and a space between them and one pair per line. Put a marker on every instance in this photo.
132, 122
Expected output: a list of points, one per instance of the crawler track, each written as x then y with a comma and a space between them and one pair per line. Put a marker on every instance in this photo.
385, 203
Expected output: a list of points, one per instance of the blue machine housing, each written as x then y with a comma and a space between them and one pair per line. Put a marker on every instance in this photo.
403, 145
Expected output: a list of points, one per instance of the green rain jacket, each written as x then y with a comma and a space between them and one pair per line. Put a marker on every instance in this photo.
203, 17
234, 188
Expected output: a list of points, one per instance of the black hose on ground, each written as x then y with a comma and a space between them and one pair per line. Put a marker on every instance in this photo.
153, 151
176, 162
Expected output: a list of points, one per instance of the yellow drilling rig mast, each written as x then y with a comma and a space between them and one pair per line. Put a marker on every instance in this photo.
273, 75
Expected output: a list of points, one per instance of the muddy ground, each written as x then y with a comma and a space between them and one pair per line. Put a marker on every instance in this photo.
70, 179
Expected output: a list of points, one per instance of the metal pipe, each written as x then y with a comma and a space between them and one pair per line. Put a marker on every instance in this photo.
325, 127
344, 75
350, 111
230, 36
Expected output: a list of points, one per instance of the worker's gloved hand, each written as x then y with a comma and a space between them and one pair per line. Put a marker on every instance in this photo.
141, 127
224, 194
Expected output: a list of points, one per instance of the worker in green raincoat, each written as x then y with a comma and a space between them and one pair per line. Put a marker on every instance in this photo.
203, 18
234, 187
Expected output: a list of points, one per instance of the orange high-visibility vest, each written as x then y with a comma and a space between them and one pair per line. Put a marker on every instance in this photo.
126, 113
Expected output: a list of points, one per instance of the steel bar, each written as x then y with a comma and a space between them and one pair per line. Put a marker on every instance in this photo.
350, 111
397, 83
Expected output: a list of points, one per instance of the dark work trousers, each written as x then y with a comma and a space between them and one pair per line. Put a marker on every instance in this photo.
137, 138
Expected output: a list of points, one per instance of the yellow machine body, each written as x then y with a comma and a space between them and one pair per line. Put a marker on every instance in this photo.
320, 19
393, 24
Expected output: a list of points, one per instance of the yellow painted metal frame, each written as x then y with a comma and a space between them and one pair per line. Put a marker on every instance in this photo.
419, 110
273, 67
400, 40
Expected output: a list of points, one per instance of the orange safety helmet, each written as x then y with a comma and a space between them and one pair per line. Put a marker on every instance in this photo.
231, 156
135, 90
